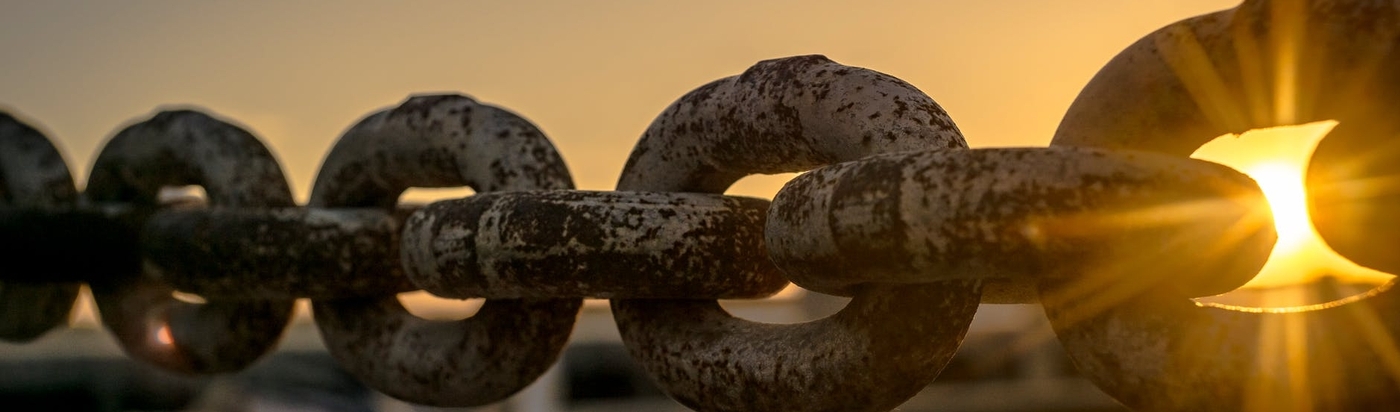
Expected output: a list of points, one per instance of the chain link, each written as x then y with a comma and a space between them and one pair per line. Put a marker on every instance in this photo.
1171, 93
576, 243
32, 175
441, 141
180, 148
789, 115
1111, 228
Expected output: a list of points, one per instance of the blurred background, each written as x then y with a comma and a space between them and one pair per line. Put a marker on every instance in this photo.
592, 75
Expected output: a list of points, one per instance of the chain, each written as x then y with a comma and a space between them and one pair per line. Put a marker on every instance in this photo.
1112, 229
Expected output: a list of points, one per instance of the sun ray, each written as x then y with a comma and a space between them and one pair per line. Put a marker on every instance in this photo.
1183, 52
1378, 337
1288, 26
1106, 284
1253, 75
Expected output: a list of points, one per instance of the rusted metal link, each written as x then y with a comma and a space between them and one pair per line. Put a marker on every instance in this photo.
592, 244
888, 343
279, 253
789, 115
441, 141
1179, 88
32, 175
781, 115
1018, 214
179, 148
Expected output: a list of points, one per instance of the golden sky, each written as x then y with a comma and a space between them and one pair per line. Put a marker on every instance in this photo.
592, 75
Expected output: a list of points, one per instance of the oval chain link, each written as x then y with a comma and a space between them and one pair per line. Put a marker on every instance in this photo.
441, 141
1015, 217
789, 115
174, 149
576, 243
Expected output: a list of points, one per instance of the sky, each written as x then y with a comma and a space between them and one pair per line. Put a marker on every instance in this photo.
591, 75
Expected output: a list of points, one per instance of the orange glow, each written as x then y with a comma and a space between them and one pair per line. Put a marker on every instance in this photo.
163, 335
1276, 158
592, 77
428, 306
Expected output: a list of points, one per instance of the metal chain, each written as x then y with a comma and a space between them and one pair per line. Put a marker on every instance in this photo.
1112, 228
1176, 90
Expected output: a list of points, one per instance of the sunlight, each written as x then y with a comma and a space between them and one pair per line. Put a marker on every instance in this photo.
428, 306
1282, 184
1276, 158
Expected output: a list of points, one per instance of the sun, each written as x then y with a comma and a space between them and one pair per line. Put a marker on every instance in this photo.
1282, 184
1276, 159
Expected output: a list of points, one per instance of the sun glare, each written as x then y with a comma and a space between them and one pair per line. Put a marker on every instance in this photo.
1283, 187
1276, 159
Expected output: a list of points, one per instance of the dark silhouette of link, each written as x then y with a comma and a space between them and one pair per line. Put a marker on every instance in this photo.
181, 148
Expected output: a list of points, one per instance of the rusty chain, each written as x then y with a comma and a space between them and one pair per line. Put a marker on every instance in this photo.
1112, 229
1345, 66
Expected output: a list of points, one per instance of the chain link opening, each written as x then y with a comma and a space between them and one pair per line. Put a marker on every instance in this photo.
1302, 269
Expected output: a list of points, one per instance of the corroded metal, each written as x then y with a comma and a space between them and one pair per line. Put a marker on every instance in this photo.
888, 343
1024, 213
783, 115
441, 141
32, 174
1268, 63
789, 115
279, 253
1228, 72
1156, 350
179, 148
592, 244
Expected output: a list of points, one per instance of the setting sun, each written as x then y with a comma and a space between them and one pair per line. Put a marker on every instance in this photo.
1276, 159
1282, 184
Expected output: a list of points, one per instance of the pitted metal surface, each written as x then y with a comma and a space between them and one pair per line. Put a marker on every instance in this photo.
441, 141
483, 359
888, 343
180, 148
33, 175
1186, 84
788, 115
574, 243
1023, 213
437, 141
782, 115
279, 253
